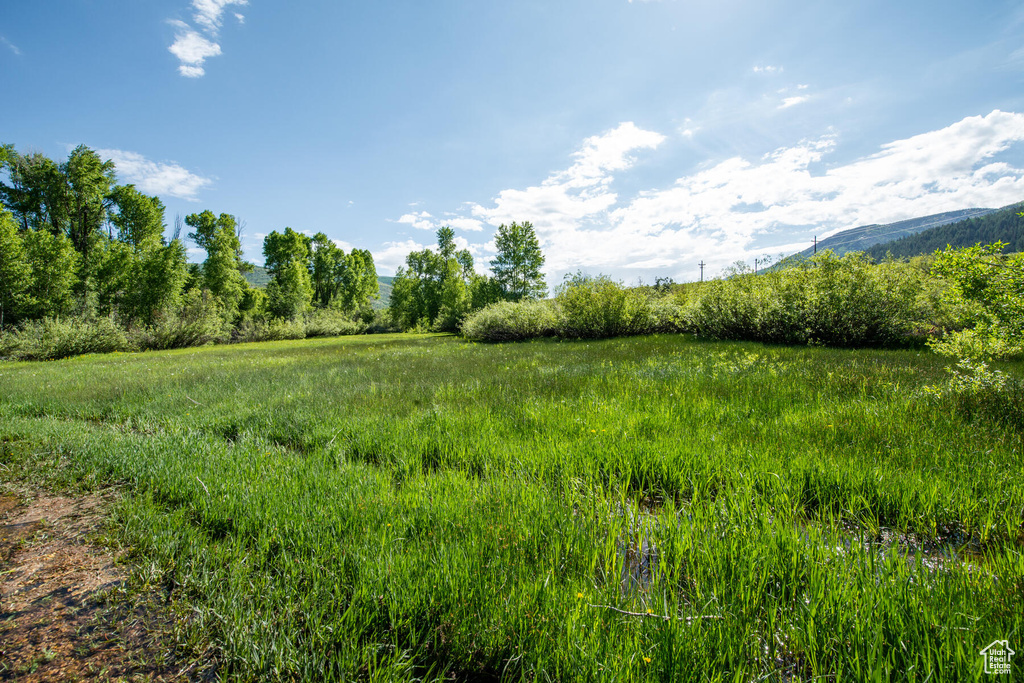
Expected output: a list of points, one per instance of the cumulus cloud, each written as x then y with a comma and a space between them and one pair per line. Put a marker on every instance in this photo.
208, 13
151, 177
739, 207
420, 221
193, 48
468, 224
579, 191
392, 254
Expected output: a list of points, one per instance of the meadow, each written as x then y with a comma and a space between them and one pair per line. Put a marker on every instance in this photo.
416, 507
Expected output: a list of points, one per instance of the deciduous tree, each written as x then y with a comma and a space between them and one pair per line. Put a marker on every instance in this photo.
517, 264
15, 272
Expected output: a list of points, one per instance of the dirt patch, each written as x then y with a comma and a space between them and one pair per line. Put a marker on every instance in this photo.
55, 623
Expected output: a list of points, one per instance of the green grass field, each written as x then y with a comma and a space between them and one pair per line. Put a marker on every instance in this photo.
419, 507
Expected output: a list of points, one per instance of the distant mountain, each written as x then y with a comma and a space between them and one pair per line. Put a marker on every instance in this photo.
259, 277
384, 295
867, 236
1001, 225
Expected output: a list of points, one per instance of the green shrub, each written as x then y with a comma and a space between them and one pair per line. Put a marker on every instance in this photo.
200, 321
511, 321
53, 338
667, 316
330, 323
380, 322
973, 390
985, 288
274, 329
826, 300
596, 307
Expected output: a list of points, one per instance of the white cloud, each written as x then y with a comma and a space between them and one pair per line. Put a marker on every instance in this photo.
342, 244
163, 179
420, 221
393, 254
191, 49
768, 69
579, 191
793, 101
739, 208
208, 13
14, 48
190, 46
468, 224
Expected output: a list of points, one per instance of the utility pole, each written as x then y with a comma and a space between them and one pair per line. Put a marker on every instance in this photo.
815, 244
701, 264
756, 261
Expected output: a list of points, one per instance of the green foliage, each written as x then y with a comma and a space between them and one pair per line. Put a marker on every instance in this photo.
254, 305
596, 307
827, 300
290, 292
88, 182
222, 270
157, 278
507, 321
517, 265
198, 321
274, 329
586, 308
139, 218
70, 198
15, 273
975, 391
988, 290
37, 191
327, 261
356, 281
53, 338
54, 266
282, 248
331, 323
433, 290
55, 260
1004, 225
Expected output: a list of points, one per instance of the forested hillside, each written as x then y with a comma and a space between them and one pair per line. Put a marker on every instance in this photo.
1003, 225
866, 236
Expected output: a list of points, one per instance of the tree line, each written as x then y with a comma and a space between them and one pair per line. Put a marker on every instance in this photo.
437, 290
75, 243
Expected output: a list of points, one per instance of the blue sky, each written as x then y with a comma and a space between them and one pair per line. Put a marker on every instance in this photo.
638, 137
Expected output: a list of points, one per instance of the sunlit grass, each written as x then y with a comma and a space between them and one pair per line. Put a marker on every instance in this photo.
412, 507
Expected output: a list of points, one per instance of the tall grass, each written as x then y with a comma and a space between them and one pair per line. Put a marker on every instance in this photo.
653, 508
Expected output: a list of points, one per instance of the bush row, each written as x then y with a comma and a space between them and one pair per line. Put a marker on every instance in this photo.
826, 300
585, 308
197, 324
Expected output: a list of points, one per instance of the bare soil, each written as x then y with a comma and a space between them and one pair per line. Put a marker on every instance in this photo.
56, 621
